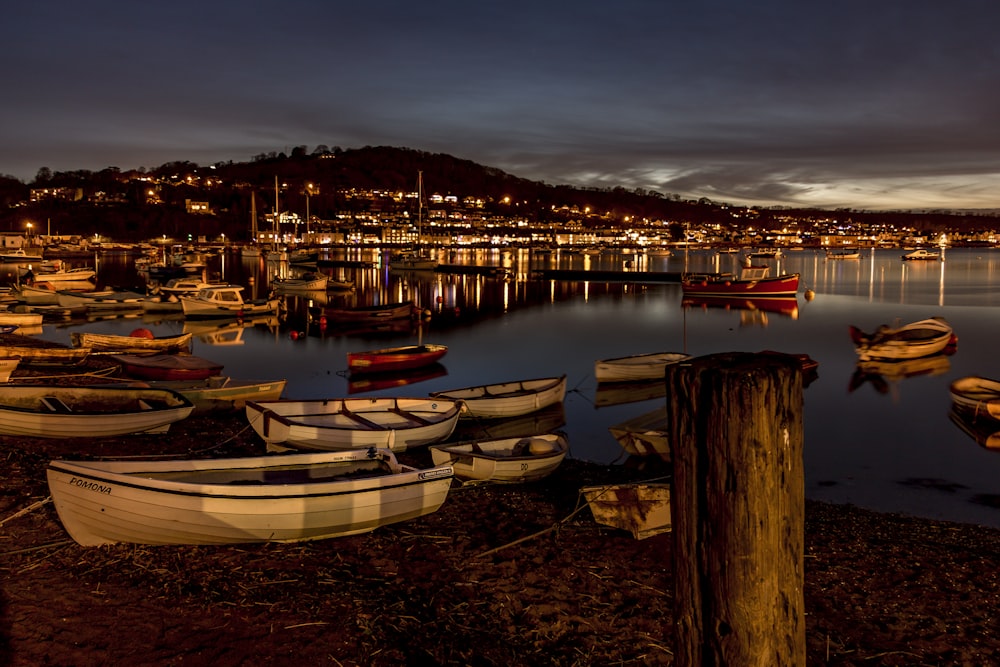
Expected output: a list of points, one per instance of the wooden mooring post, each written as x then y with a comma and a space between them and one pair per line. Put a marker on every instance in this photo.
738, 509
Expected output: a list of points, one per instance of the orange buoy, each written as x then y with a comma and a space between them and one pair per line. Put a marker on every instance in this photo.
141, 332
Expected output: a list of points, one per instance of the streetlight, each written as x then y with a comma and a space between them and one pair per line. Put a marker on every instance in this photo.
29, 225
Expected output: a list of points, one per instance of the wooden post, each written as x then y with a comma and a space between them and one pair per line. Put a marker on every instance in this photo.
738, 508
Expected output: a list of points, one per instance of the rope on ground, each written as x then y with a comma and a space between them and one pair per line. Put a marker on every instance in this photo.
569, 516
29, 508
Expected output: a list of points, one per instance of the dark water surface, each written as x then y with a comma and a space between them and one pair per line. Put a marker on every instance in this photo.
884, 442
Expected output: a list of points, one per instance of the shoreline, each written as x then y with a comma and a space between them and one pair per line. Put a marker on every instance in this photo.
460, 585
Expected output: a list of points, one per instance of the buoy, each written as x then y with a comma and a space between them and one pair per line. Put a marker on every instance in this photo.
141, 333
809, 295
294, 335
322, 320
440, 299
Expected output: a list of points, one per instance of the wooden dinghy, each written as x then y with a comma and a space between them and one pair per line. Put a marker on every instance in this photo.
402, 358
167, 366
508, 399
650, 366
353, 423
37, 355
507, 460
132, 344
644, 435
59, 411
909, 341
7, 366
976, 396
221, 393
20, 319
641, 509
285, 498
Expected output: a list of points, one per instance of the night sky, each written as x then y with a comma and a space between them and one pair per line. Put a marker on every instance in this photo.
882, 104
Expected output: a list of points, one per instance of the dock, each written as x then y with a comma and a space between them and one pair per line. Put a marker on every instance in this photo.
609, 276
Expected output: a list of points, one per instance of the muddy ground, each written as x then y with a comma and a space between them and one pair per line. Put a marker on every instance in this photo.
498, 576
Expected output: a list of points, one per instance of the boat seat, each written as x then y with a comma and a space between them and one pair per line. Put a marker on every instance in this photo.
53, 404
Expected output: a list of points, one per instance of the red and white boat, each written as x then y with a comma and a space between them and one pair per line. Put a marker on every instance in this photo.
753, 282
395, 358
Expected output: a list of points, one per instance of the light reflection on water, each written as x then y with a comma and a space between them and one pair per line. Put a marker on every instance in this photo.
887, 445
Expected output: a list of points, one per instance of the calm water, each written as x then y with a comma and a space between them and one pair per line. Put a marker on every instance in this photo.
886, 444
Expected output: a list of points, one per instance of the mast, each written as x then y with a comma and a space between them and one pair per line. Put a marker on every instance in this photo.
420, 207
253, 218
274, 234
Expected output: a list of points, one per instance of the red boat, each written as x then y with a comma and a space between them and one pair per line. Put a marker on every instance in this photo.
395, 358
752, 283
167, 366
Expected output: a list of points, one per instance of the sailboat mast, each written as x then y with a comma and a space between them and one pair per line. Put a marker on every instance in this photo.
420, 207
274, 235
253, 217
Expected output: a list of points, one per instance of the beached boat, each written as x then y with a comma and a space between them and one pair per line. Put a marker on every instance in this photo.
921, 254
45, 294
286, 498
909, 341
644, 435
54, 356
352, 423
221, 393
506, 460
402, 358
7, 366
364, 315
643, 509
508, 399
976, 395
649, 366
753, 282
166, 366
61, 411
100, 342
221, 301
79, 274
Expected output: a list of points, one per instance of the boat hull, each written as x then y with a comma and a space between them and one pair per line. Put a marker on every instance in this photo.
58, 411
641, 509
402, 358
98, 342
504, 461
637, 367
223, 394
353, 423
288, 498
167, 366
911, 341
508, 399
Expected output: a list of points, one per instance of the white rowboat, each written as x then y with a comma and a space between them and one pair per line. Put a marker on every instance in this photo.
505, 460
288, 498
651, 366
353, 423
60, 411
508, 399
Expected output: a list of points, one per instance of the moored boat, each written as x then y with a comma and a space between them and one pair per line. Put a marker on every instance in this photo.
404, 357
7, 366
352, 423
35, 355
909, 341
508, 399
62, 411
310, 282
221, 301
166, 366
754, 282
976, 395
100, 342
920, 254
505, 460
644, 435
285, 498
221, 393
648, 366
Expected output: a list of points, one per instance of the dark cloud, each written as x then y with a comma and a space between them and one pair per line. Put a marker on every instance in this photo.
858, 104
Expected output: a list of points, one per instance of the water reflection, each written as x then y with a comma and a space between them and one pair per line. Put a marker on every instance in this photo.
883, 375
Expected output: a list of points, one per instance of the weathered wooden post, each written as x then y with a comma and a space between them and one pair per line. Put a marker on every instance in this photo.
738, 508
